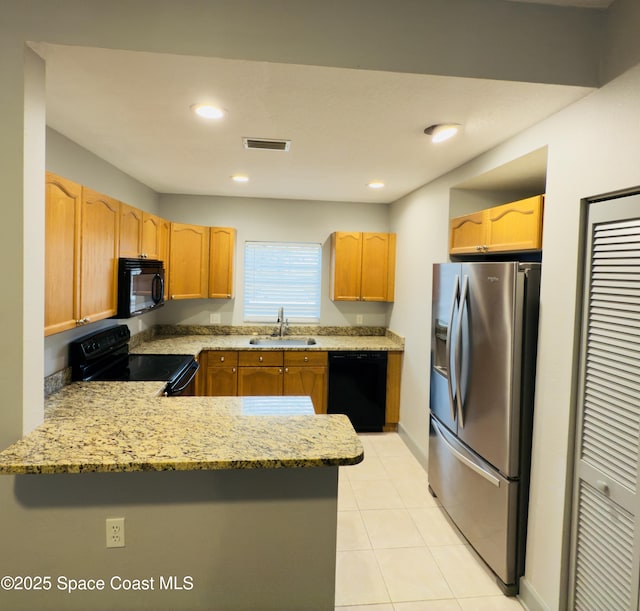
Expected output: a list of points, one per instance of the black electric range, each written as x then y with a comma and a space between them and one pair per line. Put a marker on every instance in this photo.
104, 356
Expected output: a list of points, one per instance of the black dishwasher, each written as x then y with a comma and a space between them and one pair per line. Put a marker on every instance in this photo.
358, 388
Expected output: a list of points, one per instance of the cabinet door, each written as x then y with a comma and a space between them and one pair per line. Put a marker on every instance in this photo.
99, 255
164, 231
222, 381
130, 231
62, 255
221, 260
392, 408
188, 261
467, 234
377, 266
221, 373
346, 266
259, 381
309, 382
305, 373
153, 240
515, 226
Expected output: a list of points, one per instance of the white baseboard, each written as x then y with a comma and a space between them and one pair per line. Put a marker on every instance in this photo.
419, 452
529, 598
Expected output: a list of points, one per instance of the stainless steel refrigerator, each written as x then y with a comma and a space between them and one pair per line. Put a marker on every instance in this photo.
483, 356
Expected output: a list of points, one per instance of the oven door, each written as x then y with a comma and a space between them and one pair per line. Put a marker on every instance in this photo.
184, 383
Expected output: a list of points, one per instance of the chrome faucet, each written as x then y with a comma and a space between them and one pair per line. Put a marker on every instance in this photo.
282, 325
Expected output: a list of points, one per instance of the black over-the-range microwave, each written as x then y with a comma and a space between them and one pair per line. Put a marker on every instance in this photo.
140, 286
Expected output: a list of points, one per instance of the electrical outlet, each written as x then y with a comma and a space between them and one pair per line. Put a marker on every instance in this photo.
115, 532
214, 318
359, 319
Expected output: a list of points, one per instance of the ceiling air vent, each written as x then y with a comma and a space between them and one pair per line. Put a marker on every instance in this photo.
266, 145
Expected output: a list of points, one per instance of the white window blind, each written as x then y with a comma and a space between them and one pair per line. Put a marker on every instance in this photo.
282, 274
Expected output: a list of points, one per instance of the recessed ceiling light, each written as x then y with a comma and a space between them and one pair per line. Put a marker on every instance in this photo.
206, 111
442, 131
240, 178
376, 184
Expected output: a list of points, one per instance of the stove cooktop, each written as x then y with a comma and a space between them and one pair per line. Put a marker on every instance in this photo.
146, 368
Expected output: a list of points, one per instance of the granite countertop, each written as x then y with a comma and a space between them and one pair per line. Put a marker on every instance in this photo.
193, 344
127, 426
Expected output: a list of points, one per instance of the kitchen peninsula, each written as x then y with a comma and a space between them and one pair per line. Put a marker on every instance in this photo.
229, 503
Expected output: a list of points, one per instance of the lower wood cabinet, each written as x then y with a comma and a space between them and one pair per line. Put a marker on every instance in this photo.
219, 373
230, 373
260, 373
266, 373
306, 373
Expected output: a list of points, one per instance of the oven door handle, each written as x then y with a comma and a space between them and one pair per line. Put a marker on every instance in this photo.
190, 373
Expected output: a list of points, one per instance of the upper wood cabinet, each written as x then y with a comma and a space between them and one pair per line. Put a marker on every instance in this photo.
188, 261
363, 266
155, 237
62, 254
221, 262
510, 227
100, 223
143, 234
130, 231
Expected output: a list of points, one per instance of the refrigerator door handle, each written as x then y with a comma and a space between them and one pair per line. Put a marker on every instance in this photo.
458, 354
463, 459
454, 303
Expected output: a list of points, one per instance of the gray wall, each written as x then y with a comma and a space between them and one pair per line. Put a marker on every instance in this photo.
249, 539
254, 219
280, 220
70, 160
588, 153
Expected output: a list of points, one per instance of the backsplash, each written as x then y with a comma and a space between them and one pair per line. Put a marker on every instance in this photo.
159, 330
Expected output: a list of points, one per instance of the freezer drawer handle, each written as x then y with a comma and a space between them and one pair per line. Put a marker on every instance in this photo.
463, 459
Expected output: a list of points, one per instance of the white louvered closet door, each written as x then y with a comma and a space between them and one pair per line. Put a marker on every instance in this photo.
605, 567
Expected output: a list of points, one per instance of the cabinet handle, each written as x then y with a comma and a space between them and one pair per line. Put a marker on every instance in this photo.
260, 359
233, 370
478, 248
279, 369
222, 359
286, 370
306, 359
603, 487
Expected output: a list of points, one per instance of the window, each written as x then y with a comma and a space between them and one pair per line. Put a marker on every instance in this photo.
286, 274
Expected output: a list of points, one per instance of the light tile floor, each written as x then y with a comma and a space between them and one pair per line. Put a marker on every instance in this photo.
397, 550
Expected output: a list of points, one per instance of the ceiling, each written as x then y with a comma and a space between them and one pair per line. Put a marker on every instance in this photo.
347, 127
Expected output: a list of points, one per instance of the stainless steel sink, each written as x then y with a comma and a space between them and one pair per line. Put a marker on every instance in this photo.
282, 341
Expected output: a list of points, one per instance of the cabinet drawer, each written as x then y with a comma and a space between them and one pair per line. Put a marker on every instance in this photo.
222, 358
301, 358
261, 358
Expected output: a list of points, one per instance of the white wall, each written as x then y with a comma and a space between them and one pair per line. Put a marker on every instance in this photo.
280, 220
593, 148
